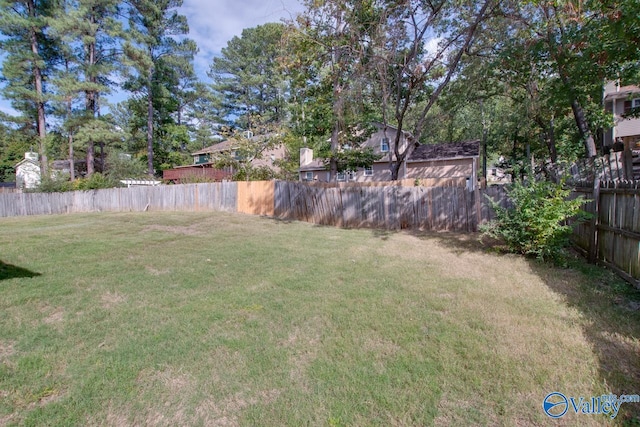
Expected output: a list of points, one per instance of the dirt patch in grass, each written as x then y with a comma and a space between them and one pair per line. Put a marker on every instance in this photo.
303, 344
112, 299
155, 272
47, 397
192, 230
4, 421
7, 349
55, 316
226, 412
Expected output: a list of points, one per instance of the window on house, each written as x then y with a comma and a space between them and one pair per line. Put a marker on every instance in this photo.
308, 176
631, 104
352, 175
384, 145
368, 171
341, 176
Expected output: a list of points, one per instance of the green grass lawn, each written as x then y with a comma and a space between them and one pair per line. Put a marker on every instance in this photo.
220, 319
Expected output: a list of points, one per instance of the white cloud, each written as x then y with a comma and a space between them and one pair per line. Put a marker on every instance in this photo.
5, 107
213, 23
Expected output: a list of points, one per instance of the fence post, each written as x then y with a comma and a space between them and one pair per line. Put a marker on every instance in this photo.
478, 202
595, 222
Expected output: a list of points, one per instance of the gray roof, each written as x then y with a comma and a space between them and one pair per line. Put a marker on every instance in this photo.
217, 148
622, 92
445, 151
315, 165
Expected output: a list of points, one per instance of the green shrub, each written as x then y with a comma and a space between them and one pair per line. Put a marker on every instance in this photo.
536, 225
95, 182
57, 184
260, 173
195, 178
121, 166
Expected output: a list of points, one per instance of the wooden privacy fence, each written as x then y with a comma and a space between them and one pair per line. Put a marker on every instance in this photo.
387, 207
220, 196
612, 236
390, 207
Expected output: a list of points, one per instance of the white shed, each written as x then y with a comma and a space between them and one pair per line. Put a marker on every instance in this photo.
28, 171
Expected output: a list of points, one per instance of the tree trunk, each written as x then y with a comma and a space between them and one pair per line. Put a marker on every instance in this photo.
72, 166
102, 159
484, 153
37, 76
583, 127
90, 107
150, 122
395, 170
578, 113
333, 164
551, 142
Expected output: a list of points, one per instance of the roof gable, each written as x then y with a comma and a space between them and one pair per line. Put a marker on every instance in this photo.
27, 161
446, 151
217, 148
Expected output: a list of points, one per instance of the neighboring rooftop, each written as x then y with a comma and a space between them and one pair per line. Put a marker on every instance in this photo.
315, 164
217, 148
618, 92
445, 151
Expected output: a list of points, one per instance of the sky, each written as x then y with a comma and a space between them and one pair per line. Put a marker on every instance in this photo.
212, 23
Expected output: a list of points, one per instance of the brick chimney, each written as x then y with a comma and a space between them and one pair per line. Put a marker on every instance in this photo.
306, 156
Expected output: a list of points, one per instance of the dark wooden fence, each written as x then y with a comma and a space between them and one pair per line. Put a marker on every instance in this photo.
392, 207
612, 236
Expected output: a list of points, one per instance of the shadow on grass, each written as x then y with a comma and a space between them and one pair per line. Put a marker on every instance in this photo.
8, 271
613, 309
611, 306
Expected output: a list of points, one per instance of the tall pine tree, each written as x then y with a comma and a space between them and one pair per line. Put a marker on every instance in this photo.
156, 44
29, 58
92, 29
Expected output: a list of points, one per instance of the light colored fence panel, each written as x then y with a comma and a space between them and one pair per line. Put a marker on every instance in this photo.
209, 196
256, 197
